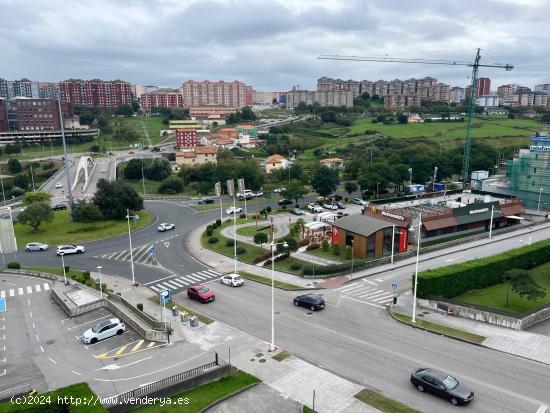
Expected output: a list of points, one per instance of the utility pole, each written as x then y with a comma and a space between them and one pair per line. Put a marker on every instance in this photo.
65, 156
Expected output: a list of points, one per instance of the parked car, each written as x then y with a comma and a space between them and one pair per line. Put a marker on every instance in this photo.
102, 330
277, 190
336, 197
317, 209
206, 201
36, 246
296, 211
441, 384
248, 194
69, 249
234, 280
233, 210
165, 227
259, 194
330, 206
284, 201
200, 293
312, 301
359, 201
131, 152
311, 205
59, 185
340, 205
59, 207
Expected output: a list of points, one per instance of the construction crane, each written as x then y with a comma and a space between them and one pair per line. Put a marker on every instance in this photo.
475, 65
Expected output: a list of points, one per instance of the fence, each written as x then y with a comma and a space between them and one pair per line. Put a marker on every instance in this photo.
155, 324
169, 386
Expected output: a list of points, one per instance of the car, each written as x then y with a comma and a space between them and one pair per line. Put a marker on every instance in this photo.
296, 211
284, 201
359, 201
441, 384
206, 201
59, 185
69, 249
234, 280
259, 194
312, 301
330, 206
247, 194
200, 293
36, 246
59, 207
131, 152
163, 149
104, 171
102, 330
340, 205
165, 227
336, 197
233, 210
317, 209
277, 190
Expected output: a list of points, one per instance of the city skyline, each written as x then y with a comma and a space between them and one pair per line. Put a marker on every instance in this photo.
273, 47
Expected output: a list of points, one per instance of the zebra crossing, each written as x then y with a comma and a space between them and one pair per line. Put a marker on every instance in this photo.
140, 255
366, 291
29, 289
181, 282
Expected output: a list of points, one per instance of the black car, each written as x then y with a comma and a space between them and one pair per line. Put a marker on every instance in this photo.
296, 211
442, 385
340, 205
312, 301
336, 197
284, 201
206, 201
59, 207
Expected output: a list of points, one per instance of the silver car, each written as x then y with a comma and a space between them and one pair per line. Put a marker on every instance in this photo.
36, 246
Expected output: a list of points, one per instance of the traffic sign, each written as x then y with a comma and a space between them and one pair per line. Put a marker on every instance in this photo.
166, 295
152, 248
2, 304
97, 280
394, 285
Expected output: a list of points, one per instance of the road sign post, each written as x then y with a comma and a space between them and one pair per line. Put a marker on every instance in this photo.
394, 286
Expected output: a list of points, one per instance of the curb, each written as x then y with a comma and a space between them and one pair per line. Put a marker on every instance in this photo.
280, 288
215, 403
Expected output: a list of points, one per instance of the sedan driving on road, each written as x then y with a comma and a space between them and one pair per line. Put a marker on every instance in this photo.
233, 210
234, 280
442, 385
59, 207
102, 330
312, 301
36, 246
69, 249
165, 227
284, 201
200, 293
59, 185
330, 206
359, 201
206, 201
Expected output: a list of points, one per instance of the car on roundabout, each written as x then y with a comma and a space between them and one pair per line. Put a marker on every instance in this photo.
234, 280
69, 249
36, 246
102, 330
165, 226
314, 302
206, 201
233, 210
441, 384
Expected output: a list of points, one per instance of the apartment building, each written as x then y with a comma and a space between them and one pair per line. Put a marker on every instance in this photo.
333, 98
231, 94
162, 98
96, 92
544, 88
266, 98
10, 89
48, 90
439, 92
402, 101
456, 94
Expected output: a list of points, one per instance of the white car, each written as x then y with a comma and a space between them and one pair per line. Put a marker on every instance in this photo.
233, 210
36, 246
277, 190
102, 330
59, 185
311, 206
234, 280
165, 227
331, 206
259, 194
69, 249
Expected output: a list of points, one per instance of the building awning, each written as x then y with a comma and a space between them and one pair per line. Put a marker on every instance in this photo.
434, 224
361, 224
514, 217
316, 225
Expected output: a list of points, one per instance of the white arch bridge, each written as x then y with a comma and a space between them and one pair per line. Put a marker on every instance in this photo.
84, 171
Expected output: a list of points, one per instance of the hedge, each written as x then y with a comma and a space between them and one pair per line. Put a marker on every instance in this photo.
457, 279
333, 268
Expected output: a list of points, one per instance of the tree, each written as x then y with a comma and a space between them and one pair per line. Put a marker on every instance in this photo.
171, 185
125, 110
294, 190
324, 180
292, 245
403, 119
247, 114
545, 118
14, 166
158, 169
21, 181
12, 148
35, 214
231, 119
34, 197
114, 198
521, 282
260, 238
88, 213
328, 117
133, 168
350, 186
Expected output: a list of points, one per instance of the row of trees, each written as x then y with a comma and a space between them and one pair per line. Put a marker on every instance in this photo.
244, 115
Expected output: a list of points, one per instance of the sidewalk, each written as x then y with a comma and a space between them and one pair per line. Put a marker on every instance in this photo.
531, 346
292, 377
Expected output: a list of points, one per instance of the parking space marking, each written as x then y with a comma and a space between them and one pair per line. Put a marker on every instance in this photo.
37, 288
137, 346
89, 322
46, 286
12, 292
542, 408
121, 350
29, 289
151, 344
2, 294
52, 360
20, 290
130, 348
76, 372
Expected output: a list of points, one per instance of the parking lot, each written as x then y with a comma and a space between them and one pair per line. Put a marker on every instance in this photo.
43, 349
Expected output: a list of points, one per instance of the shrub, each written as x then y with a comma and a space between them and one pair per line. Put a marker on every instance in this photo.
171, 185
219, 222
139, 306
268, 209
295, 266
325, 245
230, 242
348, 252
86, 275
208, 227
242, 216
212, 240
67, 268
241, 250
303, 242
214, 225
312, 247
88, 213
336, 249
262, 257
281, 257
334, 268
267, 263
209, 231
14, 265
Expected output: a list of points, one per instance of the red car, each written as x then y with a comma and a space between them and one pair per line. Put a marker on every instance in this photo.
200, 293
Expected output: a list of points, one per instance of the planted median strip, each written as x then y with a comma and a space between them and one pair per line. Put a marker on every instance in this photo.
267, 281
383, 403
202, 318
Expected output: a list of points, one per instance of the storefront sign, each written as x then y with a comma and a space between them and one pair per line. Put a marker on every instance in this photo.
536, 148
478, 211
390, 215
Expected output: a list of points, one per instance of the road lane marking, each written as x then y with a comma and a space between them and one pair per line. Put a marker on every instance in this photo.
172, 286
12, 292
116, 366
137, 346
160, 279
76, 372
2, 294
29, 289
37, 288
154, 288
387, 297
370, 282
151, 344
178, 283
363, 302
46, 286
42, 348
345, 287
121, 350
196, 279
542, 408
52, 360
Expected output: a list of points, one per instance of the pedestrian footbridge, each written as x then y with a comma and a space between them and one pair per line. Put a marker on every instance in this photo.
84, 171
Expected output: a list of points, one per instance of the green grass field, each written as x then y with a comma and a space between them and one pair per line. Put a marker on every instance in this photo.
152, 124
63, 230
495, 296
383, 403
250, 231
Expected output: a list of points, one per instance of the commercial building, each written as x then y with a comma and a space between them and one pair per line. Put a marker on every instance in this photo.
373, 233
212, 113
184, 124
275, 162
162, 98
229, 94
40, 136
3, 116
28, 114
91, 93
488, 101
295, 97
197, 155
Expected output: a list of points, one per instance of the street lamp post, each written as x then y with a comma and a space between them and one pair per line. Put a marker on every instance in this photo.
99, 267
2, 181
63, 265
393, 241
142, 177
491, 223
273, 247
351, 272
416, 268
538, 204
131, 250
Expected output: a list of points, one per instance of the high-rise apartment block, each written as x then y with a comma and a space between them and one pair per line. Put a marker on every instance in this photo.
162, 98
205, 93
48, 90
544, 88
10, 89
323, 98
186, 138
401, 101
267, 98
483, 86
90, 93
456, 94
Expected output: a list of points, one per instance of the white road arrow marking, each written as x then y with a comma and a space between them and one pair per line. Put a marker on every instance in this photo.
116, 366
166, 244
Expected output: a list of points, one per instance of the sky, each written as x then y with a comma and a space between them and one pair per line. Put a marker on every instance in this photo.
268, 44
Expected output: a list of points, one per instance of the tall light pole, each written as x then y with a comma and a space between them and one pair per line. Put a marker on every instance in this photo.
273, 247
142, 177
410, 179
99, 267
351, 272
131, 249
2, 181
65, 156
491, 223
538, 204
63, 265
419, 225
32, 176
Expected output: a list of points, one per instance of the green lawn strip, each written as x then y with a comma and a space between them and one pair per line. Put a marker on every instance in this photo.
56, 399
202, 318
383, 403
281, 356
250, 206
495, 295
250, 231
328, 254
77, 275
307, 409
440, 329
264, 280
205, 395
63, 230
151, 187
